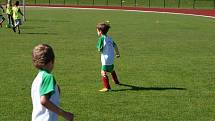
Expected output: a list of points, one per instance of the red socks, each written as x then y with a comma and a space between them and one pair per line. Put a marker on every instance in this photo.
114, 77
106, 82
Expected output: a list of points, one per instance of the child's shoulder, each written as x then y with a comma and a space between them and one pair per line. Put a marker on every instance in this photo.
45, 73
109, 37
101, 37
106, 36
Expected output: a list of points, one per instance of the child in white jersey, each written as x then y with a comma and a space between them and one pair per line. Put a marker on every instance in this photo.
107, 46
45, 92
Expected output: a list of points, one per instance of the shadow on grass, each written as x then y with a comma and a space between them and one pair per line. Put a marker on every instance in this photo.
32, 27
138, 88
40, 33
50, 20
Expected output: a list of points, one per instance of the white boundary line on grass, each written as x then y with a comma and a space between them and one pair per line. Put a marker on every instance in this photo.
126, 10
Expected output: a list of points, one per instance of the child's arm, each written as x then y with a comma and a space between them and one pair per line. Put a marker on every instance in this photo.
51, 106
20, 12
116, 50
100, 44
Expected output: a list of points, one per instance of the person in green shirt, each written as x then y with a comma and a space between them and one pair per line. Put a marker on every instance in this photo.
106, 46
1, 15
45, 92
16, 16
9, 13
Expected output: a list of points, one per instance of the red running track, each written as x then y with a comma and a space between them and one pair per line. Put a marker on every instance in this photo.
201, 12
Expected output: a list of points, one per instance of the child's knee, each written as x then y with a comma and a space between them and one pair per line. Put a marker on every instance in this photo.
103, 73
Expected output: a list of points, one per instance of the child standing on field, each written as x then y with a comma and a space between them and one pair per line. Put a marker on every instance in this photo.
16, 16
106, 47
45, 92
1, 15
9, 13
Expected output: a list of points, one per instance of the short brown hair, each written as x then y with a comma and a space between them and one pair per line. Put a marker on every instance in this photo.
103, 27
42, 54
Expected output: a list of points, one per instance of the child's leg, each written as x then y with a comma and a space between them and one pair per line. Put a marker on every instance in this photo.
114, 77
2, 21
12, 21
19, 23
14, 27
18, 29
8, 18
105, 79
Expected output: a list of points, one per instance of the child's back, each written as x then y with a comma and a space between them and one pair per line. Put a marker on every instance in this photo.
16, 14
36, 91
107, 53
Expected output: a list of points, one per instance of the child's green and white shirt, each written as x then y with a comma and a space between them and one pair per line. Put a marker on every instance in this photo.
106, 46
44, 84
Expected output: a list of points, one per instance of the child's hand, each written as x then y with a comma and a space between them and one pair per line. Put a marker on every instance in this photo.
117, 55
68, 116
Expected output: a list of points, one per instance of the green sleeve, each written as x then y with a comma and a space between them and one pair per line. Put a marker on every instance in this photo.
48, 85
100, 44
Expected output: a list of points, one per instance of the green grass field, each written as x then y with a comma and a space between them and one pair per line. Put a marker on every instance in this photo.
166, 65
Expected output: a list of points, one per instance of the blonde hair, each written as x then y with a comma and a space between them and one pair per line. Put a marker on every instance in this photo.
42, 54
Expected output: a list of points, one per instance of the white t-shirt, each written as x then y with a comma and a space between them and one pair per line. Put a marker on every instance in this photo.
106, 46
44, 83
